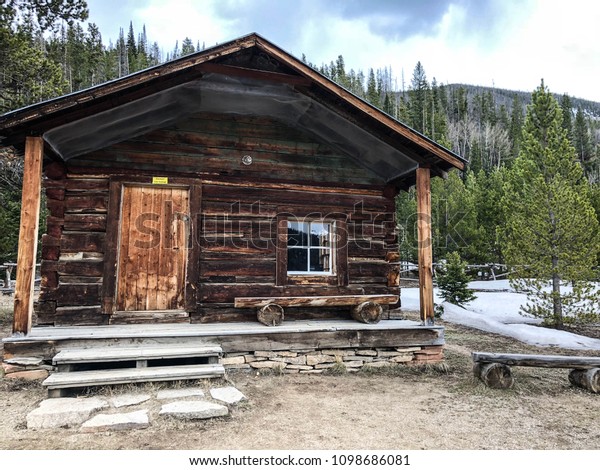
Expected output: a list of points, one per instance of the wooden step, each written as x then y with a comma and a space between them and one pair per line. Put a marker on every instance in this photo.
137, 353
92, 378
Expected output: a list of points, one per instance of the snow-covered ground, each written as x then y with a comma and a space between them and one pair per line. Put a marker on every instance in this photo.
497, 311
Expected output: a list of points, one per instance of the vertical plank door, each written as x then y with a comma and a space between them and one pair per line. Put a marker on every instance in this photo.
153, 248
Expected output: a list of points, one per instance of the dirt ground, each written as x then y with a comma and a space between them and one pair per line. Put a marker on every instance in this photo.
405, 408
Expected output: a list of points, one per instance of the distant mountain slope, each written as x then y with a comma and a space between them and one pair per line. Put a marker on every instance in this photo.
505, 97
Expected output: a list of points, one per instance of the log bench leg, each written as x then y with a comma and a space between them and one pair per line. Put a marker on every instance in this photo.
494, 375
586, 378
270, 315
367, 312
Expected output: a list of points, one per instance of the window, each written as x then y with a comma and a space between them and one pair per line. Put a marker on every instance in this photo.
309, 248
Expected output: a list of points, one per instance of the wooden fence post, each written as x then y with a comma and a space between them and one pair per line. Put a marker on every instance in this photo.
28, 234
425, 245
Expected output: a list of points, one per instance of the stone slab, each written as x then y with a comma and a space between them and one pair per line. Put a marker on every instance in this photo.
312, 360
229, 395
266, 364
193, 410
238, 367
117, 422
175, 393
64, 412
25, 361
39, 374
227, 361
378, 364
130, 399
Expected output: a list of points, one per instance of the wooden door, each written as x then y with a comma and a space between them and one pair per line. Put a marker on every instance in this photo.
153, 248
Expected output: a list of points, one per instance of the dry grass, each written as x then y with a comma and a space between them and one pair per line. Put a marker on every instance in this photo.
424, 407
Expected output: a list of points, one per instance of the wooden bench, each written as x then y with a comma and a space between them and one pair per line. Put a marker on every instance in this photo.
493, 369
365, 308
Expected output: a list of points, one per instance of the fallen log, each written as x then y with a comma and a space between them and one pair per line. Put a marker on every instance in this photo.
270, 315
586, 378
367, 312
494, 375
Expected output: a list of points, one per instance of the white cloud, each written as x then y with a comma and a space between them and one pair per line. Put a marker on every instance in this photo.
168, 22
513, 45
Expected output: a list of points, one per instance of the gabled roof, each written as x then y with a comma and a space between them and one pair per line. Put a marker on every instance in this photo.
249, 75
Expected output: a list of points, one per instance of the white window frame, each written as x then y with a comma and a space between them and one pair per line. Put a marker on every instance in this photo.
308, 248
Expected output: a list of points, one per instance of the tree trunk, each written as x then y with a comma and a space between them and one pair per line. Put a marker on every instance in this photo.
367, 312
586, 378
270, 315
494, 375
556, 299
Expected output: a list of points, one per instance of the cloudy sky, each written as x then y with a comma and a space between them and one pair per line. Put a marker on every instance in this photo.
504, 43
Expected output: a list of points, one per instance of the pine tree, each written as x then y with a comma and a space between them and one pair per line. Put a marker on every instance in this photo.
95, 54
372, 95
453, 281
516, 124
581, 140
143, 58
453, 217
187, 47
567, 114
342, 78
488, 190
418, 92
132, 50
551, 227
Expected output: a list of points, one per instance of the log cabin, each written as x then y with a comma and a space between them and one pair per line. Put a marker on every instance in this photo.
200, 197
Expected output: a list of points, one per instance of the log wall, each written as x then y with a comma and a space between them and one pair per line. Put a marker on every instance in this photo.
236, 226
239, 247
73, 249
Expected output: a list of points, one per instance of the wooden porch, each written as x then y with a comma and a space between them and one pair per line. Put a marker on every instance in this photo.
46, 342
83, 357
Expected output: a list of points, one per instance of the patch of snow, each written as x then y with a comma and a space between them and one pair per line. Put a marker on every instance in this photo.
498, 312
500, 285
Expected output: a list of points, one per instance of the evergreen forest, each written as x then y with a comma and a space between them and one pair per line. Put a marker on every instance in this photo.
48, 48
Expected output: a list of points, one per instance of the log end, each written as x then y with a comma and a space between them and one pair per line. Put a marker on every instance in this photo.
588, 379
494, 375
270, 315
367, 312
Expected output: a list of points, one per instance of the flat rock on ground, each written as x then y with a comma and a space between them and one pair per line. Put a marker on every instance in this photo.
131, 399
63, 412
229, 395
174, 393
117, 422
194, 410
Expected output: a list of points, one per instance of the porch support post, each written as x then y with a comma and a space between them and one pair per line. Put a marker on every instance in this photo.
425, 244
28, 234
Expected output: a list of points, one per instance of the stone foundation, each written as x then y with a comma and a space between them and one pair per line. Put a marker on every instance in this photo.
316, 361
25, 368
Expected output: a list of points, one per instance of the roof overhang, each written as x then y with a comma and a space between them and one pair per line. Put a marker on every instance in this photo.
295, 94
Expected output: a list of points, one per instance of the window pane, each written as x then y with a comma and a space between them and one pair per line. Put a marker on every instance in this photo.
297, 234
319, 234
297, 259
319, 260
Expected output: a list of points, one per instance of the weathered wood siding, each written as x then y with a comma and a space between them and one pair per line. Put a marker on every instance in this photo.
239, 245
215, 144
73, 250
236, 227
